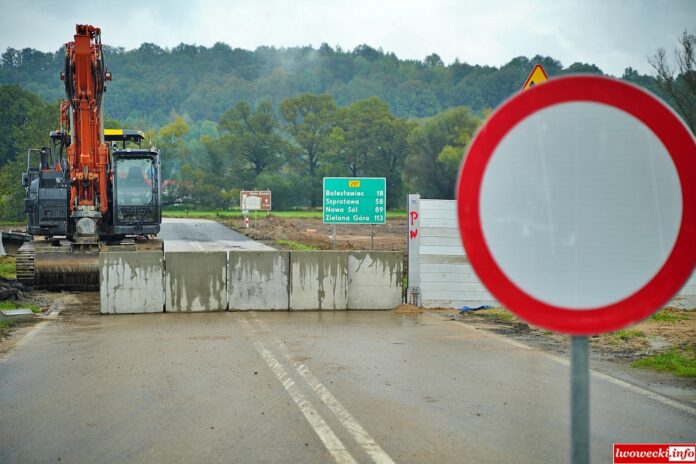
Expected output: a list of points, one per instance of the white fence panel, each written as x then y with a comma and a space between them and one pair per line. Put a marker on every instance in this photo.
439, 273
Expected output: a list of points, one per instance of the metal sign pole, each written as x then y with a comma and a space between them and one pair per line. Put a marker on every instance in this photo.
372, 237
579, 400
334, 236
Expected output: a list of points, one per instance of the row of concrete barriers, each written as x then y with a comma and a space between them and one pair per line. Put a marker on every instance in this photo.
189, 281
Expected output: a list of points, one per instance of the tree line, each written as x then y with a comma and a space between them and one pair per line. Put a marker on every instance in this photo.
291, 147
253, 126
201, 83
287, 148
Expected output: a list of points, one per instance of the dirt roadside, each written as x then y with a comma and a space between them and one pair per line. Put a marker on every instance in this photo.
312, 232
671, 330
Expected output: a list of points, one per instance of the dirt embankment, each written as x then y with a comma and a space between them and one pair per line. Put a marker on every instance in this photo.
312, 232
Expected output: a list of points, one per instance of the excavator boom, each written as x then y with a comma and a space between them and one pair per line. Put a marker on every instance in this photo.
85, 76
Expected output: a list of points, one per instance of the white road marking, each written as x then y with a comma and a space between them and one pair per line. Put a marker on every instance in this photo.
650, 394
378, 455
332, 443
621, 383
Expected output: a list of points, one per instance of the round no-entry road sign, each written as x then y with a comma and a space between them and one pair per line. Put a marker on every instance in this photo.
577, 204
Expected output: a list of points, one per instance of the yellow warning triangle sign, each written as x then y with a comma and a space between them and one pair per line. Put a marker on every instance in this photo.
537, 76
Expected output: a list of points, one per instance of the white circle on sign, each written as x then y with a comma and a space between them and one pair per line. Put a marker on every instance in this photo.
570, 195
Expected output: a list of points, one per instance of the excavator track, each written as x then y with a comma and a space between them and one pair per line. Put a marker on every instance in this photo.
25, 264
64, 265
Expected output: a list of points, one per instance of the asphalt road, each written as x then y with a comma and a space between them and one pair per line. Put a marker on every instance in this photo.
303, 387
203, 235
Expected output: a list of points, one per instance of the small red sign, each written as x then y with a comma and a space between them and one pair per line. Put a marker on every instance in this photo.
631, 453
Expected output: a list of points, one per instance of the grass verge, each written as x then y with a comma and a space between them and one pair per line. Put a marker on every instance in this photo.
7, 324
8, 267
681, 363
497, 313
294, 245
667, 315
625, 335
298, 214
14, 305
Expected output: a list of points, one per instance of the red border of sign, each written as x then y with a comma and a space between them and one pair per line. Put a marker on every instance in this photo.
526, 83
668, 128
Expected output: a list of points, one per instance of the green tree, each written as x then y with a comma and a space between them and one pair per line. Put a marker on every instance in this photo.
372, 142
199, 186
437, 147
203, 82
311, 120
391, 154
433, 60
360, 124
679, 82
11, 191
289, 188
25, 122
169, 139
253, 138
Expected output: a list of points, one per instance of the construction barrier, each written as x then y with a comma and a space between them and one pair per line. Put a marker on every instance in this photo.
374, 279
195, 281
318, 280
258, 280
131, 282
249, 280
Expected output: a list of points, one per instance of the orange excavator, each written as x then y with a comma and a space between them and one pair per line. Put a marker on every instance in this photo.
92, 188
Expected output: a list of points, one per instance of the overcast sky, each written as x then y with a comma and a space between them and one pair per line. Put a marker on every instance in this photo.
613, 34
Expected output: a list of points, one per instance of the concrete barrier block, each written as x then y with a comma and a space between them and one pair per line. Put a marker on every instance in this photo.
258, 280
318, 280
19, 314
131, 282
195, 281
375, 279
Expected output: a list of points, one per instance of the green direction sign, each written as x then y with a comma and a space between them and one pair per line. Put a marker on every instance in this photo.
355, 200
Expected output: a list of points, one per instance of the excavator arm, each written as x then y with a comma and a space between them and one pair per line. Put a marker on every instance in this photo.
85, 76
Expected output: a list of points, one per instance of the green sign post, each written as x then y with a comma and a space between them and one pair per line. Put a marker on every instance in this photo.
355, 200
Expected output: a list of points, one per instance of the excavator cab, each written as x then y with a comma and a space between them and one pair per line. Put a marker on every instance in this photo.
135, 195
